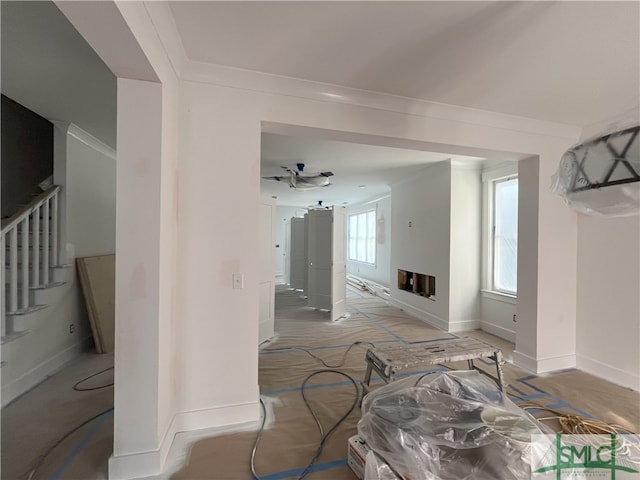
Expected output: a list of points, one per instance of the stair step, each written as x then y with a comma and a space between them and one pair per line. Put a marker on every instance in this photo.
26, 311
7, 266
13, 336
44, 286
48, 286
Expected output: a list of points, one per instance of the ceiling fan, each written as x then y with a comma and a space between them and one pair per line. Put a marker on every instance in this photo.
319, 206
301, 180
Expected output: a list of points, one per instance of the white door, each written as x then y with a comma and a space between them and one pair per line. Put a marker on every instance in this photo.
266, 282
298, 255
339, 260
320, 243
287, 253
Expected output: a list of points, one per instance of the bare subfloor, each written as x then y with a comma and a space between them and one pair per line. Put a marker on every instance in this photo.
40, 418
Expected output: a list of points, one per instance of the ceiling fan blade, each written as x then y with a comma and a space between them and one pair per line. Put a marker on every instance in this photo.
326, 174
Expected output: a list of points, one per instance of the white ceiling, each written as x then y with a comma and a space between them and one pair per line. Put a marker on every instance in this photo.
566, 62
353, 165
49, 68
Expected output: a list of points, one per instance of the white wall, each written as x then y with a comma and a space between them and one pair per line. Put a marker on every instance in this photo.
421, 226
90, 195
465, 249
608, 298
496, 315
381, 271
443, 205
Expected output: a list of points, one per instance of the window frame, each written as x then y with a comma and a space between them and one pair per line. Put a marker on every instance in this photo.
490, 179
368, 240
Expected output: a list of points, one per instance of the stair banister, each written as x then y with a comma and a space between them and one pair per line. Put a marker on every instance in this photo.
43, 209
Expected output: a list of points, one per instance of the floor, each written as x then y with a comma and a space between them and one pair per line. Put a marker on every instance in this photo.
33, 427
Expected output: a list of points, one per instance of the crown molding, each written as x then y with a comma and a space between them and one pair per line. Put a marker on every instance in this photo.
164, 24
91, 141
242, 79
224, 76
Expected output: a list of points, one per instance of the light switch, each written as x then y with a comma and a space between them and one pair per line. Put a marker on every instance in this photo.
238, 280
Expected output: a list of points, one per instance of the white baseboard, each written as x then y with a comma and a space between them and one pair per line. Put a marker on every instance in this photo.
544, 365
524, 361
559, 362
498, 331
421, 314
152, 463
209, 418
36, 375
608, 372
463, 325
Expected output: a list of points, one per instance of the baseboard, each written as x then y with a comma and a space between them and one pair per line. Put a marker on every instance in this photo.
608, 372
525, 362
498, 331
427, 317
152, 463
544, 365
216, 417
41, 372
463, 325
558, 362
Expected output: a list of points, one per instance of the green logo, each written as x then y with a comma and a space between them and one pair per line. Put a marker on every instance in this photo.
582, 456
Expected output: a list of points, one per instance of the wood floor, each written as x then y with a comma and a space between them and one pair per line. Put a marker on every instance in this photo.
38, 420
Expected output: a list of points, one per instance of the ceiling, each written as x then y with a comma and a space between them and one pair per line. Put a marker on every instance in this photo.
49, 68
567, 62
374, 168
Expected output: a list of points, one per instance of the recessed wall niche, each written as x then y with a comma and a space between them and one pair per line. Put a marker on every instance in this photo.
417, 283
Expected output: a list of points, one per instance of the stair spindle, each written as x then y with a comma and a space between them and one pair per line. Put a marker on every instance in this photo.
24, 287
35, 248
13, 270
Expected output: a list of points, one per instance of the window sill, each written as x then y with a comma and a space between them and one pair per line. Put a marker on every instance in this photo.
499, 296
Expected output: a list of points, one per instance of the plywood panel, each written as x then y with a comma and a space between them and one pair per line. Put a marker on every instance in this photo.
98, 279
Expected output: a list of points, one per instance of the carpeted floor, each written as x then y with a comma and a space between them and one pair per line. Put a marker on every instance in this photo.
291, 437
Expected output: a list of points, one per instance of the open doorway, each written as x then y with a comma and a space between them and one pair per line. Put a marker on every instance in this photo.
408, 209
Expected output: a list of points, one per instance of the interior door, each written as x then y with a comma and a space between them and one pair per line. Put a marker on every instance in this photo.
339, 263
298, 254
287, 253
320, 244
266, 283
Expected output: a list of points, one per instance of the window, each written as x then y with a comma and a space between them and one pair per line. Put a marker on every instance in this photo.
362, 237
504, 241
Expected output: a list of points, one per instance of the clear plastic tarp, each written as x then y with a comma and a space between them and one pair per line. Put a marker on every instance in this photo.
448, 426
601, 175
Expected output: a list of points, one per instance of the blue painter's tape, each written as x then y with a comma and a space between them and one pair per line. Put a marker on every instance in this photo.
294, 473
271, 393
57, 474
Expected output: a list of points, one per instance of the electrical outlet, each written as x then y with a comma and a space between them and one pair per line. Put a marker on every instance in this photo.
72, 328
514, 318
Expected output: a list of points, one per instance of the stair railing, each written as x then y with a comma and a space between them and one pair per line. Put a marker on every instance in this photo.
29, 241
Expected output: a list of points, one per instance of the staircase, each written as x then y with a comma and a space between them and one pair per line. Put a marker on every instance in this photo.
30, 245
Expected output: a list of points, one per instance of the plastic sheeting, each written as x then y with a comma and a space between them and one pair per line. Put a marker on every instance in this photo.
454, 425
601, 175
